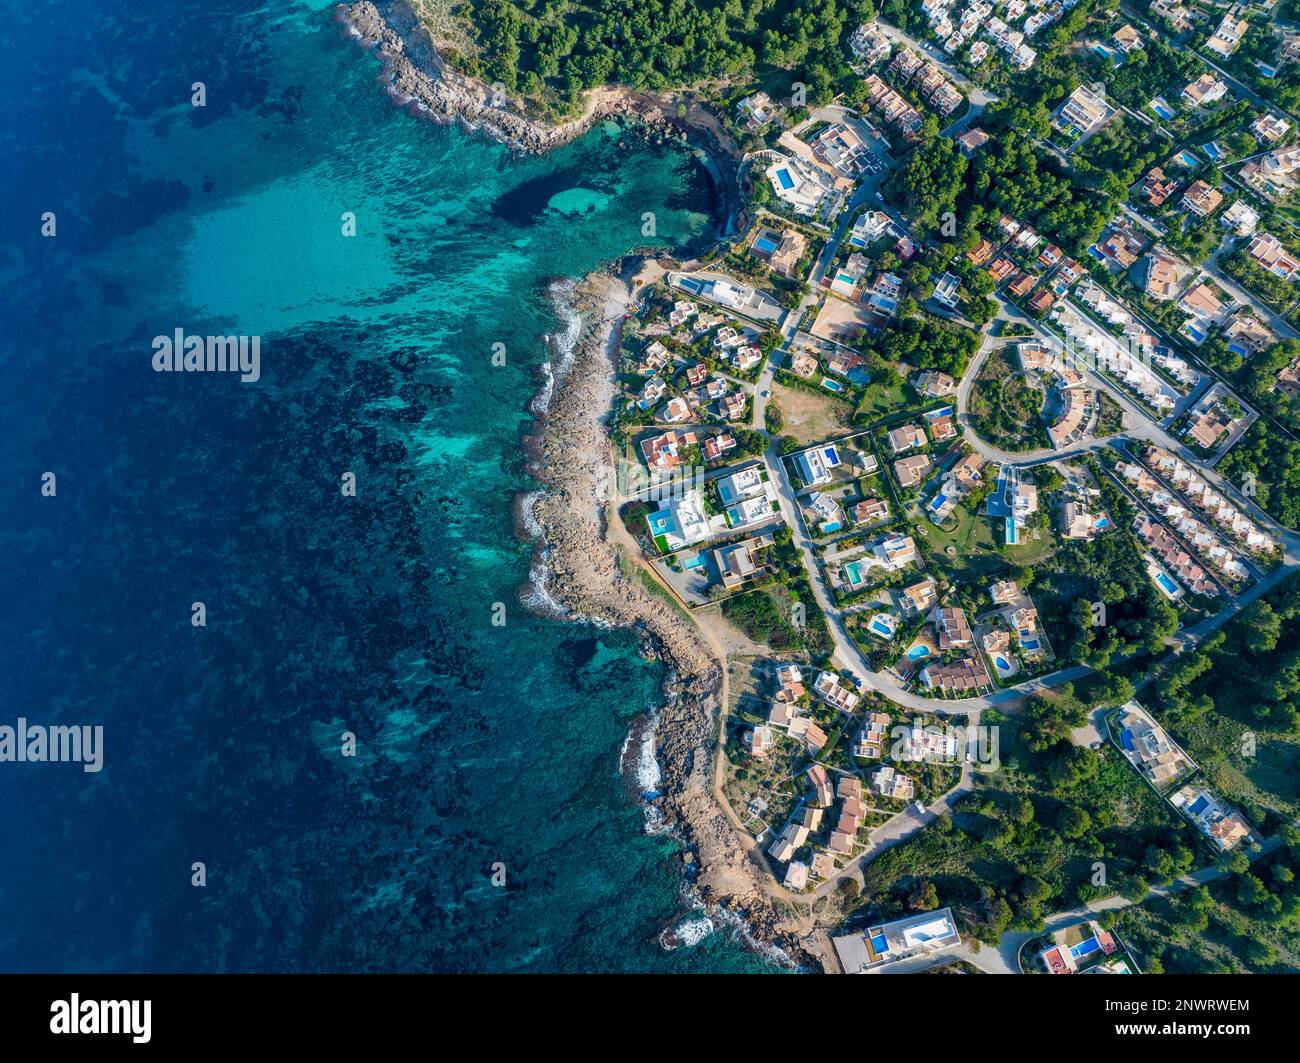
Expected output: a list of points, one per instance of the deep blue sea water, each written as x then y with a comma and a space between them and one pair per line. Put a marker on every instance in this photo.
478, 745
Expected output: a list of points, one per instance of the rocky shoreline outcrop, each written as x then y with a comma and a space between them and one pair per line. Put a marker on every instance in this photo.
571, 455
586, 577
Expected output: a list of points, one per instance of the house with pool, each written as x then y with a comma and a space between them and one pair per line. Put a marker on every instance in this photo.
1223, 825
879, 946
1147, 746
803, 187
681, 522
1085, 948
818, 465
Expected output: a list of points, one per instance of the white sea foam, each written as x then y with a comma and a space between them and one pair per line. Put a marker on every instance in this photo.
686, 933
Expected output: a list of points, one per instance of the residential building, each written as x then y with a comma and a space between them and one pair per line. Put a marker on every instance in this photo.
920, 596
1270, 254
1270, 128
1145, 744
1127, 39
1220, 822
889, 783
963, 676
1201, 200
1240, 217
1162, 277
911, 471
1082, 113
1205, 90
879, 946
1224, 40
827, 686
952, 627
817, 465
906, 437
948, 290
740, 562
934, 384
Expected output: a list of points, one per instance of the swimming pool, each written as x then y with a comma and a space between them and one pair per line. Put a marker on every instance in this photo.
1169, 586
1084, 948
831, 526
1102, 523
1162, 109
765, 244
1029, 644
784, 177
918, 651
1013, 534
879, 626
853, 573
1188, 159
936, 503
695, 562
1002, 663
1212, 149
832, 385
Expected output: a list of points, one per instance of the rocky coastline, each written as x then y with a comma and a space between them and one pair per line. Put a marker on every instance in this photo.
581, 571
416, 76
587, 577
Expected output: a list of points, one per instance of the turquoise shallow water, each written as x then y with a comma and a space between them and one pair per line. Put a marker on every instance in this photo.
478, 745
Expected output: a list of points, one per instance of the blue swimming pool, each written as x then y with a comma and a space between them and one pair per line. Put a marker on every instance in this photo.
1198, 806
1126, 739
937, 502
853, 573
765, 244
694, 562
1212, 149
881, 629
918, 651
832, 385
1013, 533
1029, 644
831, 526
1084, 948
1188, 159
1163, 111
1102, 523
1166, 583
1002, 663
784, 177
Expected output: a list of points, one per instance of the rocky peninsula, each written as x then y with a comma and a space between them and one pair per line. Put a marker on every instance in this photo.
592, 569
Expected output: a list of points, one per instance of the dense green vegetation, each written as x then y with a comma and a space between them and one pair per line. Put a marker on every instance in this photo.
1235, 702
1057, 825
553, 51
1109, 570
1004, 406
1247, 922
921, 341
1266, 463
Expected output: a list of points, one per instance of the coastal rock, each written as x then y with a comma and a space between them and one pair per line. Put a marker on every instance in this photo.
587, 578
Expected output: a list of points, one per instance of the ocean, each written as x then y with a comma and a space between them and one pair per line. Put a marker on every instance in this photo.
347, 519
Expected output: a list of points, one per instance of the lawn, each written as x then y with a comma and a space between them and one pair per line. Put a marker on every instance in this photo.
880, 400
967, 551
